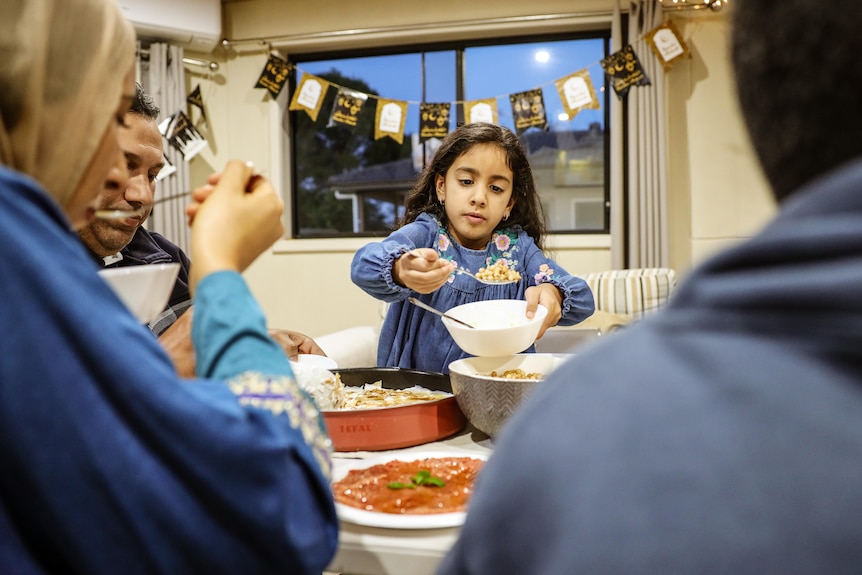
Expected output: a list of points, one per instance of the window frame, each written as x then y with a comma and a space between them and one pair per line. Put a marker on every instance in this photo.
603, 33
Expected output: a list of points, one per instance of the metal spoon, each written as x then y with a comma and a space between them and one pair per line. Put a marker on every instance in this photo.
414, 254
427, 307
118, 214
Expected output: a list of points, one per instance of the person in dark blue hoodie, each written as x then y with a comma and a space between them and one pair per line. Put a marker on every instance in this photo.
724, 434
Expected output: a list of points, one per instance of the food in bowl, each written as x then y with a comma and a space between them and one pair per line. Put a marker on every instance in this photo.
488, 401
498, 271
396, 426
418, 486
372, 395
501, 327
517, 374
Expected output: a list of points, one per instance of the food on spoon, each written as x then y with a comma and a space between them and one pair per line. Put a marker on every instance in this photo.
369, 489
498, 271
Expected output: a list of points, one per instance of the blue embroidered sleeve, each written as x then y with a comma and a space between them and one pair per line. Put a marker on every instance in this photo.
371, 268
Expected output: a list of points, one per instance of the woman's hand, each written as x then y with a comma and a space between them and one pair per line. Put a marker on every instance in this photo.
234, 218
422, 270
549, 296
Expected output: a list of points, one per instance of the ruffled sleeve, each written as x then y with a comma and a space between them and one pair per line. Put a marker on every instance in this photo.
577, 304
371, 268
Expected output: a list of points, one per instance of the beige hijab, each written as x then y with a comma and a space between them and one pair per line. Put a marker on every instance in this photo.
61, 69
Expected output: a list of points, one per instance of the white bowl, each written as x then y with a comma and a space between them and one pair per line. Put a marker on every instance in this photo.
488, 401
145, 289
501, 327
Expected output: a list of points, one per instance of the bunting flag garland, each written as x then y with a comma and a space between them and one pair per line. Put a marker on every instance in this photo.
528, 110
309, 95
196, 100
667, 44
346, 107
391, 116
274, 75
167, 169
624, 70
433, 120
577, 93
182, 135
481, 111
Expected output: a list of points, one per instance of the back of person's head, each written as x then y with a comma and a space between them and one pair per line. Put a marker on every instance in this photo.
143, 104
797, 71
60, 67
527, 211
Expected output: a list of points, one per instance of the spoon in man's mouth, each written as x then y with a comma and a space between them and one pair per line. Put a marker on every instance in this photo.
118, 214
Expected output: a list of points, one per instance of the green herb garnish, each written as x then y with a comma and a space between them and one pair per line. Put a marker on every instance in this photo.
424, 477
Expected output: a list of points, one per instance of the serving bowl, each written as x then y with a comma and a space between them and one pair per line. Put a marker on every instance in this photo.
382, 428
500, 327
144, 289
489, 401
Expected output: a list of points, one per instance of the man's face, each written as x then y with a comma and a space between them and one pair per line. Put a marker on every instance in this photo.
143, 158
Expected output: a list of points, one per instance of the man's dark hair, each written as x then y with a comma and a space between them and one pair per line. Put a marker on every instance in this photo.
797, 70
143, 103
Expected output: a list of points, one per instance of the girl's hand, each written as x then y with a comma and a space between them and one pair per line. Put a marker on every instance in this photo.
422, 270
549, 296
233, 220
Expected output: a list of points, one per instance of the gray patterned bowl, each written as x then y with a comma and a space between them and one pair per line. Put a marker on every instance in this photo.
488, 401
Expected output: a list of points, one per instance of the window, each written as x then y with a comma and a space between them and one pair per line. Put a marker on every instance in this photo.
346, 183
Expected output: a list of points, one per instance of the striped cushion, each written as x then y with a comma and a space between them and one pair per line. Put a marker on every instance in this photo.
635, 292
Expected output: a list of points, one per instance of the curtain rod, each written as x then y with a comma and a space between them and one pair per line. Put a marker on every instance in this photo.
360, 32
714, 5
213, 66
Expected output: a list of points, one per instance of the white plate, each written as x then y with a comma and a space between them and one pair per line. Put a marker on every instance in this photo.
392, 520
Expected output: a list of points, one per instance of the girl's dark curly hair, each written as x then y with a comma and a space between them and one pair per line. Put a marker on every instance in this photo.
527, 211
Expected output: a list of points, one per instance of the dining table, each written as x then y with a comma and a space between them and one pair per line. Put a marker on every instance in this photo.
368, 550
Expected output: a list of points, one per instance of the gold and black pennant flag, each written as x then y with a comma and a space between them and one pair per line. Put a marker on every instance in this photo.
433, 120
577, 93
346, 108
481, 111
667, 44
528, 110
182, 135
167, 169
196, 100
309, 95
390, 118
274, 75
625, 70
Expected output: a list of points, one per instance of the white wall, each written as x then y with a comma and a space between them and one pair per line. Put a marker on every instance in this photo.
716, 193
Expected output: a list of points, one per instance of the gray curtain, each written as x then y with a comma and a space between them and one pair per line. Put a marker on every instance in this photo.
647, 161
162, 74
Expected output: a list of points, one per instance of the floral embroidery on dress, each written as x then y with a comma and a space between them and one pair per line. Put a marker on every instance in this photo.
443, 242
503, 246
546, 274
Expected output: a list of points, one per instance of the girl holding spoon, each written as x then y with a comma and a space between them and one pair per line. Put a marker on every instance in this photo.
474, 206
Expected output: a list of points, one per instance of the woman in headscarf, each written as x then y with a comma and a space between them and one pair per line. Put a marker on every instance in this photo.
108, 462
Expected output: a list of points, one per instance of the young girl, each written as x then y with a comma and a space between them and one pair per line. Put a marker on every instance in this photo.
474, 204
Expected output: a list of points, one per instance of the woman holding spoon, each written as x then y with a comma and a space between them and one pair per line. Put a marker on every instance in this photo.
111, 463
474, 206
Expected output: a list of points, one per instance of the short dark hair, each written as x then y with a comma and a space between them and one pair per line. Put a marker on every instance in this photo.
143, 104
796, 64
